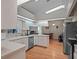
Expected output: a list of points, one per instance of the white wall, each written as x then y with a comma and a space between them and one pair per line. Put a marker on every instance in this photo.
69, 6
52, 29
19, 25
45, 30
8, 14
75, 15
23, 24
42, 24
33, 28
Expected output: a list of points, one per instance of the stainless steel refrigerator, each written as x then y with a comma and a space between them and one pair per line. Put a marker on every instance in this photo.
70, 30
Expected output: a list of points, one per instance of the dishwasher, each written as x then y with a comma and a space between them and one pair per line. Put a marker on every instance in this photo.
30, 41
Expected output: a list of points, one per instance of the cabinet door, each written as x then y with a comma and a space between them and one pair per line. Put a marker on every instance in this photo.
15, 40
22, 41
43, 41
25, 41
36, 40
8, 14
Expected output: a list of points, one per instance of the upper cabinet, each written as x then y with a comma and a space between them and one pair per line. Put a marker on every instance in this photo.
8, 14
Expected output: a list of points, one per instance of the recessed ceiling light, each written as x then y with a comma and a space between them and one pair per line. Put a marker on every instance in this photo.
21, 1
53, 24
54, 9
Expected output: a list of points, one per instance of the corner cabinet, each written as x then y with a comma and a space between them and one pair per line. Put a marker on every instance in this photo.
8, 14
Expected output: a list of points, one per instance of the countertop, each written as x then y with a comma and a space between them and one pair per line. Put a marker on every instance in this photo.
19, 37
8, 47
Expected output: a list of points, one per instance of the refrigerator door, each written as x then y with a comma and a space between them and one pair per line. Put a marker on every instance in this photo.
70, 30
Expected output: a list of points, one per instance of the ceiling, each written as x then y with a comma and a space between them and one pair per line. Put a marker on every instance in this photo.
39, 8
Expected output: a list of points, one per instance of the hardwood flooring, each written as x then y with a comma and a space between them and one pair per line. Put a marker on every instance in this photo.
54, 51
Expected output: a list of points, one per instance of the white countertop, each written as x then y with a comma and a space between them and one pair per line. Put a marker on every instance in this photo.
8, 47
19, 37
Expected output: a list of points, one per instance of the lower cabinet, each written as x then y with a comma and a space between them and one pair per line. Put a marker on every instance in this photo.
30, 41
36, 41
22, 41
18, 54
42, 41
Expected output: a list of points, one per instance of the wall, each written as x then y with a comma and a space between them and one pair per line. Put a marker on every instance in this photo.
19, 25
33, 28
56, 31
8, 14
45, 29
23, 24
75, 15
41, 25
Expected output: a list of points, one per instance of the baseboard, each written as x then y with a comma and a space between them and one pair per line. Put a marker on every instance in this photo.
40, 46
29, 49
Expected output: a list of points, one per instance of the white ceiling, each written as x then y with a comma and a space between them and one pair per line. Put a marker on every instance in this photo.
41, 6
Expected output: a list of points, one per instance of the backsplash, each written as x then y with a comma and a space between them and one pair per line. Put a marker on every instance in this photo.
8, 33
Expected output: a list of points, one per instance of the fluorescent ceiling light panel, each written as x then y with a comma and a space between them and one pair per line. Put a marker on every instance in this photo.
22, 1
54, 9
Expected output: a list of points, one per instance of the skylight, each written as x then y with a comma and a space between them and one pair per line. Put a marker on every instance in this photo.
54, 9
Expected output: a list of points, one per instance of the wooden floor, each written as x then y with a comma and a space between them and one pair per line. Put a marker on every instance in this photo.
54, 51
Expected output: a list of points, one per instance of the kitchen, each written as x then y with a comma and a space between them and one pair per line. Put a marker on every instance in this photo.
28, 25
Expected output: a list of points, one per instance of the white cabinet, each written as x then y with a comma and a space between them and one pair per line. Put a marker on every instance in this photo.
18, 54
8, 14
22, 41
42, 40
36, 41
12, 50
